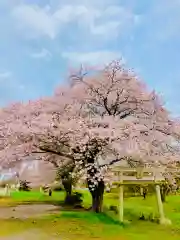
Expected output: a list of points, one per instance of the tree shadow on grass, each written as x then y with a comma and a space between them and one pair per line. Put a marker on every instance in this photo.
85, 215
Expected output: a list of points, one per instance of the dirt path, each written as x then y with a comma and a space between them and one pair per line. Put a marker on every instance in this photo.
34, 234
27, 211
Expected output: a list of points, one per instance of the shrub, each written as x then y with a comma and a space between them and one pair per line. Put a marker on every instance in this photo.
113, 209
74, 199
24, 186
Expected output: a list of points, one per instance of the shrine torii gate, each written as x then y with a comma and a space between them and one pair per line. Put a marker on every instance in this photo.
142, 175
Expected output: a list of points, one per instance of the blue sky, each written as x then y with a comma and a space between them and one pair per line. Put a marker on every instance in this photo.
41, 39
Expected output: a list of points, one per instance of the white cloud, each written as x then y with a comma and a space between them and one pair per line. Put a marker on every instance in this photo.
104, 29
37, 20
92, 58
5, 75
49, 22
43, 54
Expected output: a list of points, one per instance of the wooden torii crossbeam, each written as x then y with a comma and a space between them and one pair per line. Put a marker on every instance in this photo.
140, 175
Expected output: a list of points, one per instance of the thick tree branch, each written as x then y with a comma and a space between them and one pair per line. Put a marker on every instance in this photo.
48, 150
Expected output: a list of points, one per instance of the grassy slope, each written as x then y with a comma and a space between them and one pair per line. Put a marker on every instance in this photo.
86, 225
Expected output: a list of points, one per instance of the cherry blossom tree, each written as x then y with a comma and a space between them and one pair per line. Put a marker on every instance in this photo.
108, 114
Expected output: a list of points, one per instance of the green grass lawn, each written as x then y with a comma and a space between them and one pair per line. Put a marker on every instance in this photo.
86, 225
30, 197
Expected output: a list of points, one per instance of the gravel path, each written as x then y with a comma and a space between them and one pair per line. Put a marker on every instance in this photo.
27, 211
34, 234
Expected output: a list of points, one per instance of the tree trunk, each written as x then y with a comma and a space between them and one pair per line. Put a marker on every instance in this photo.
97, 197
67, 183
101, 202
163, 191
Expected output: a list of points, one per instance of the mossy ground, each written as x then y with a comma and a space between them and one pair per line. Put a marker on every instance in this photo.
86, 225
